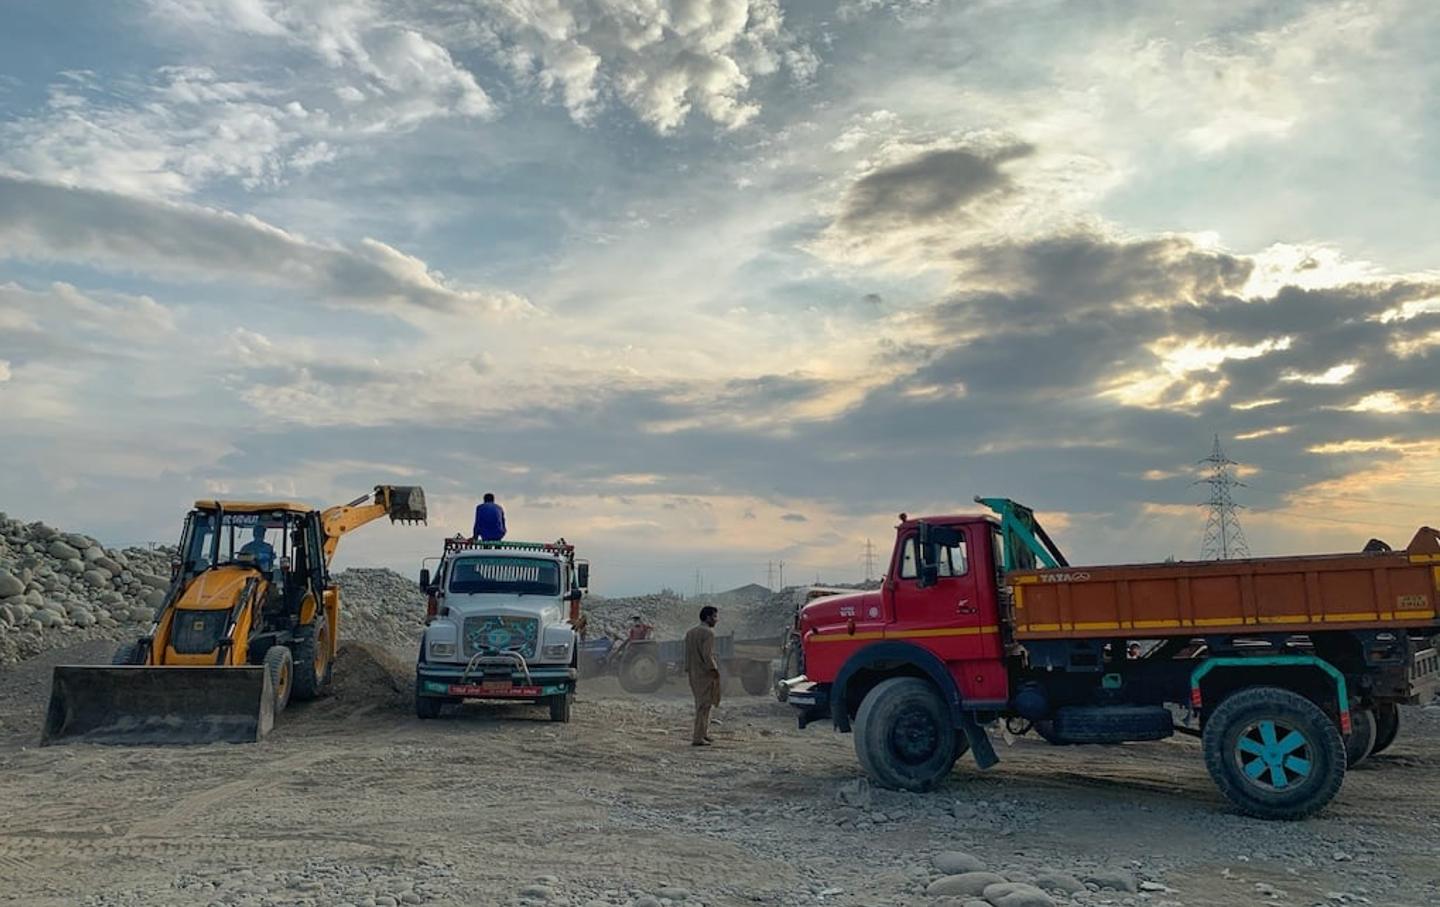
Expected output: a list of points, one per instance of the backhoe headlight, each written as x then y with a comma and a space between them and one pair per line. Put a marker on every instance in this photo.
442, 649
556, 651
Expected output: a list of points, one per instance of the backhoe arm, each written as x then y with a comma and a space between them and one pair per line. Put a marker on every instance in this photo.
399, 502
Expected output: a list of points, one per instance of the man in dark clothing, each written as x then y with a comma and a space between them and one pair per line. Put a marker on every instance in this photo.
489, 520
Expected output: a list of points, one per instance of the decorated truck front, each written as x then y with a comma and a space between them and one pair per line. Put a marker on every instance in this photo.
501, 624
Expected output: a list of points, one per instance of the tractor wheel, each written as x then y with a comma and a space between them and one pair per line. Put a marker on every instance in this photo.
1387, 726
128, 654
560, 708
1360, 742
280, 665
755, 678
313, 666
1274, 753
641, 672
904, 736
428, 707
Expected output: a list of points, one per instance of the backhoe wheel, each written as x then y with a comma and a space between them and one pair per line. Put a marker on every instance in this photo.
280, 666
1274, 753
128, 654
641, 671
313, 666
1360, 742
560, 707
428, 707
904, 736
1387, 726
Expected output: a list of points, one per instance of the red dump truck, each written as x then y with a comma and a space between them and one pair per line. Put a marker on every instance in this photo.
1288, 669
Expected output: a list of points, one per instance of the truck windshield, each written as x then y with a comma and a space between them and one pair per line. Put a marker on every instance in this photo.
505, 575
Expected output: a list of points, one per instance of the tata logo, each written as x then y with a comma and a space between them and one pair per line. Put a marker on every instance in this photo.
1064, 577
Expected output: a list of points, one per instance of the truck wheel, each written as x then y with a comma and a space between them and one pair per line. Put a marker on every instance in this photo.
280, 665
755, 678
1387, 726
1360, 742
641, 672
128, 654
904, 737
1046, 729
428, 707
560, 708
312, 659
1274, 753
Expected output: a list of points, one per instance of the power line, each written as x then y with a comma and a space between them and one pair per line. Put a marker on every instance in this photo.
1224, 539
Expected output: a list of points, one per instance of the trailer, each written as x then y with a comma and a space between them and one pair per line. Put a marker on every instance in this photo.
644, 664
1289, 670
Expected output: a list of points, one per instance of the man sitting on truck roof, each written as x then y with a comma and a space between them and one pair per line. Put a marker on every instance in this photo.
489, 520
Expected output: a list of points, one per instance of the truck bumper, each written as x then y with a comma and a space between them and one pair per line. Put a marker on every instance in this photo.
454, 682
810, 699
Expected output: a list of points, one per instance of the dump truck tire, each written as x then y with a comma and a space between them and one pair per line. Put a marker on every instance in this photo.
428, 707
904, 736
313, 665
128, 654
280, 665
1360, 742
1274, 754
1387, 726
641, 672
560, 708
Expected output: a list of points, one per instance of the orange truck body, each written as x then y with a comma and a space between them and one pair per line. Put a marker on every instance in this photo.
1284, 594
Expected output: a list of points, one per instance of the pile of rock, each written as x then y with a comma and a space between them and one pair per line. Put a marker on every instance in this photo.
380, 606
55, 585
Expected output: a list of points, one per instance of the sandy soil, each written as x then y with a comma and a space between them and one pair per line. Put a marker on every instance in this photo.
354, 801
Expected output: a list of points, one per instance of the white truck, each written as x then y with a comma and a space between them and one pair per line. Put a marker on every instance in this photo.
502, 622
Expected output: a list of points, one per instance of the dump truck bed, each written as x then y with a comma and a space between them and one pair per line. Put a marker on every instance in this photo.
1288, 594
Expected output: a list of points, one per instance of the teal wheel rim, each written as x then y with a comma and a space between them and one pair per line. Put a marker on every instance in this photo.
1273, 756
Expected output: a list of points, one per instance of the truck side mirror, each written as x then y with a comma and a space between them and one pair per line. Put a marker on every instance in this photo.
929, 574
582, 576
424, 579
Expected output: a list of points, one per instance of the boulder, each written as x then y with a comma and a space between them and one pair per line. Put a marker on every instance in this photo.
954, 862
47, 618
1054, 880
63, 552
1114, 880
964, 884
10, 584
79, 542
92, 554
109, 565
98, 578
74, 566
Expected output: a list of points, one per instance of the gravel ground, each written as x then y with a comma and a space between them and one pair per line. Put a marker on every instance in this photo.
354, 801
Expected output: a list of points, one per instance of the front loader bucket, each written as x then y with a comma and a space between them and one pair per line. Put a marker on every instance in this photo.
403, 503
164, 706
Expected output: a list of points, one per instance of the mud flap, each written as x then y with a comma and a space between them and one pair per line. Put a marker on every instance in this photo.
159, 706
979, 742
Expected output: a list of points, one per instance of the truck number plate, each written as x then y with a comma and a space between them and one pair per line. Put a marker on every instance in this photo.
492, 688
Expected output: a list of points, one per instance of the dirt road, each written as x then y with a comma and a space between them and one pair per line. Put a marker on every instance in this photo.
354, 801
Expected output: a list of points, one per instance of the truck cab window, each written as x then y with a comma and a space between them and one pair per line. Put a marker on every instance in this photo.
953, 561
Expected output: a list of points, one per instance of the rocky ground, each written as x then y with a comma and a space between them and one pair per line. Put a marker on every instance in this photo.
354, 801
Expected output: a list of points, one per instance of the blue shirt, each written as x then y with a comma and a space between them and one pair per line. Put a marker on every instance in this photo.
489, 522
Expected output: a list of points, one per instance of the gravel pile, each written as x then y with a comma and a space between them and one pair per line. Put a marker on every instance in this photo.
58, 588
749, 612
380, 606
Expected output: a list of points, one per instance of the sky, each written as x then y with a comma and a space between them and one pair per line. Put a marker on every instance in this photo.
707, 285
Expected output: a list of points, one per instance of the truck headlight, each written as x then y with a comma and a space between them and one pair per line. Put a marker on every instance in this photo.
557, 651
442, 649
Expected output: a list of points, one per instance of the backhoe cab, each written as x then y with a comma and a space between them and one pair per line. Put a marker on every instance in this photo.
250, 620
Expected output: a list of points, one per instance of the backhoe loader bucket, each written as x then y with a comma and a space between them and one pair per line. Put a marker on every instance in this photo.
405, 503
166, 706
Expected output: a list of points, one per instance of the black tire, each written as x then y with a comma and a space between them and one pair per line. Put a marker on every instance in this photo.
1360, 742
641, 671
560, 708
904, 736
1285, 777
1387, 726
313, 665
1046, 729
755, 678
1109, 724
428, 707
128, 654
280, 665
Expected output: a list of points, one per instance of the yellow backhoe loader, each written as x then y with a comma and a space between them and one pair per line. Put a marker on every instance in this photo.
250, 620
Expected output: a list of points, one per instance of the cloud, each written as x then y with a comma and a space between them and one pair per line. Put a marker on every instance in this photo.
795, 518
662, 59
935, 185
50, 222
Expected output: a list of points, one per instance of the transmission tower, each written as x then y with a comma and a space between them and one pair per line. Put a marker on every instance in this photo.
1224, 539
869, 560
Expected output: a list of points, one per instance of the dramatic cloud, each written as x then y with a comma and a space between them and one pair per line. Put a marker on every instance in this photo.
50, 222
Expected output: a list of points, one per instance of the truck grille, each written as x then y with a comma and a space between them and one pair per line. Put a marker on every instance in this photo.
493, 635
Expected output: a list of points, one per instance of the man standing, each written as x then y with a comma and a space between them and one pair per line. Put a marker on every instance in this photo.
489, 520
704, 672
